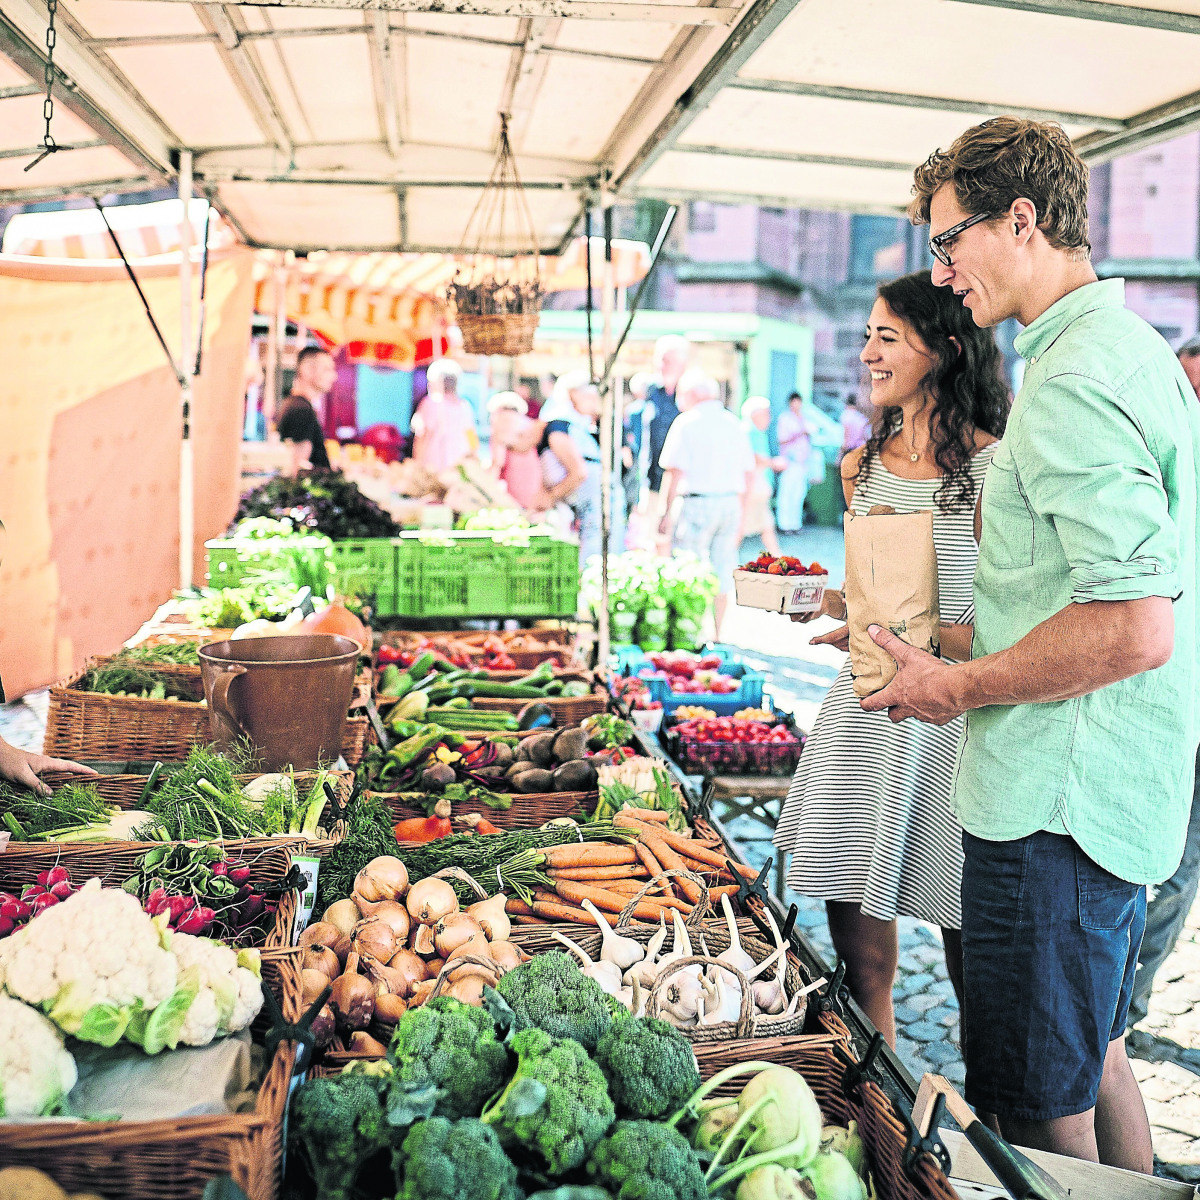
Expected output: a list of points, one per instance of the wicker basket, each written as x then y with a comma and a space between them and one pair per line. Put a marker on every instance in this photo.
528, 812
567, 710
827, 1063
97, 727
113, 863
508, 334
173, 1159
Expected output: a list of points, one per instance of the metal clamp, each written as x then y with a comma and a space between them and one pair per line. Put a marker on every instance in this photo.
858, 1073
381, 731
918, 1143
300, 1032
836, 995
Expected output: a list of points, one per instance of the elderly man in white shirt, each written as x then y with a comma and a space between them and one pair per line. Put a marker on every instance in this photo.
708, 461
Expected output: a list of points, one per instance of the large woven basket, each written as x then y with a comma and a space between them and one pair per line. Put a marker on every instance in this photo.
508, 334
269, 860
828, 1066
567, 710
97, 727
173, 1159
528, 812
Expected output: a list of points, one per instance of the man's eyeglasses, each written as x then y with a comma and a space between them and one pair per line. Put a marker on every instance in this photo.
938, 244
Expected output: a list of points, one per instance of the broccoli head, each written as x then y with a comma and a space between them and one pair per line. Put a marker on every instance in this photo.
338, 1123
646, 1160
649, 1065
557, 1104
454, 1160
452, 1046
551, 993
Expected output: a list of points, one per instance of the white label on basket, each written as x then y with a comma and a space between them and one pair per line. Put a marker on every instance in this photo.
310, 868
806, 593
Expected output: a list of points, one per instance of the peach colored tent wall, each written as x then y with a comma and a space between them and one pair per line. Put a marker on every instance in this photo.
89, 451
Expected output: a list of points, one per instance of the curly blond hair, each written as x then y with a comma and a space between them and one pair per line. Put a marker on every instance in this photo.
1006, 158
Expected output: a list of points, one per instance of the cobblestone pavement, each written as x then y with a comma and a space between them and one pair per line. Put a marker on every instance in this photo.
1165, 1048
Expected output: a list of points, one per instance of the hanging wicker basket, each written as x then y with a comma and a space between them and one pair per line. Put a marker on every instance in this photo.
497, 292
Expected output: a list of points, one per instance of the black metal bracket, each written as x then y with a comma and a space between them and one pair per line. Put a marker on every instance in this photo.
381, 730
758, 891
704, 808
918, 1143
858, 1073
304, 601
300, 1032
835, 996
336, 807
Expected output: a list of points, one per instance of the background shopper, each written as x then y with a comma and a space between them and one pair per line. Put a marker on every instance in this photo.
1075, 777
708, 463
443, 425
299, 417
1168, 905
867, 819
759, 520
795, 448
519, 470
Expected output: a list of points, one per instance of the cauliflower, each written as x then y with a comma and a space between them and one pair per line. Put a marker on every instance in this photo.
36, 1070
230, 992
91, 963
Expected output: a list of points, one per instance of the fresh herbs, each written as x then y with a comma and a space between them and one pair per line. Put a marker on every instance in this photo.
178, 653
73, 810
119, 677
201, 800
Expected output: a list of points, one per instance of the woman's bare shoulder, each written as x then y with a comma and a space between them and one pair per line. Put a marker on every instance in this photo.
851, 462
983, 440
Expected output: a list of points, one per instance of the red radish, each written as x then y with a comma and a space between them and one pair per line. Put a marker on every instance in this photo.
32, 890
6, 927
15, 910
62, 889
54, 876
43, 877
239, 875
196, 922
180, 906
220, 868
43, 902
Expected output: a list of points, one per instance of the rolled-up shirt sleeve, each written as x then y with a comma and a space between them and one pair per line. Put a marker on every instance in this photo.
1086, 467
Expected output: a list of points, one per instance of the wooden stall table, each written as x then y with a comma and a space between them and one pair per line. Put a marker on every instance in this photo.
759, 797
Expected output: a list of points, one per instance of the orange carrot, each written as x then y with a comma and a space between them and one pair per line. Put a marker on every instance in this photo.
522, 919
648, 814
646, 855
669, 859
517, 907
608, 901
588, 854
621, 872
562, 912
730, 890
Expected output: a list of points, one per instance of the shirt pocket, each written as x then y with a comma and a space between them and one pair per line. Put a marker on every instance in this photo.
1006, 539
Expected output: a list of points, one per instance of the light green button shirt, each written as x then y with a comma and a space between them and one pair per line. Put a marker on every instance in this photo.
1091, 495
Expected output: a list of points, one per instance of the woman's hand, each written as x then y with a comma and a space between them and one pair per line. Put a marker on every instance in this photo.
24, 767
839, 639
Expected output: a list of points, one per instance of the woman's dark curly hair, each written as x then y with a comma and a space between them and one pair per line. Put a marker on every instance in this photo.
964, 382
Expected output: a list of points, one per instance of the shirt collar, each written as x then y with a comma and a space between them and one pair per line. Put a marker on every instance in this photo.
1033, 341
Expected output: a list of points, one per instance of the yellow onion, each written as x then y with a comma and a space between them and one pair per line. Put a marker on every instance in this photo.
469, 990
383, 878
323, 1027
353, 998
410, 967
323, 933
430, 900
422, 942
364, 1043
490, 916
452, 931
393, 914
343, 915
316, 957
389, 1008
477, 945
312, 984
375, 939
421, 993
506, 955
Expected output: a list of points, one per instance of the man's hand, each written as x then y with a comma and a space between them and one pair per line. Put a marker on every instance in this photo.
833, 604
664, 526
921, 688
838, 638
23, 767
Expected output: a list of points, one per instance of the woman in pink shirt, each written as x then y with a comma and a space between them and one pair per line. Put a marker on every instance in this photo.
519, 470
443, 425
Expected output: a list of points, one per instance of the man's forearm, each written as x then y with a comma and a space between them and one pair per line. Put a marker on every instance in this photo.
1080, 649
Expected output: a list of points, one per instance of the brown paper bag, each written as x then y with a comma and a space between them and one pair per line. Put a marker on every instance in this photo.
891, 580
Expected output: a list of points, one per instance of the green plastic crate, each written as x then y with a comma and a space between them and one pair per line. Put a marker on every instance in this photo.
477, 577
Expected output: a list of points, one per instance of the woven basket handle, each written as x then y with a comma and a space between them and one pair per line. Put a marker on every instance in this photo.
463, 960
702, 907
745, 1021
461, 875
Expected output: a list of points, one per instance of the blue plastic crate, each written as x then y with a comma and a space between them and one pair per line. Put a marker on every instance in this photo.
748, 695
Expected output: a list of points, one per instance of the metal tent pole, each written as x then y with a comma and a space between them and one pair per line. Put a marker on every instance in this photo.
187, 362
607, 441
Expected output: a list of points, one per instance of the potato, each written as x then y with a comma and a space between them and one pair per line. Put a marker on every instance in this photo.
504, 755
541, 748
569, 745
519, 768
522, 754
534, 781
575, 777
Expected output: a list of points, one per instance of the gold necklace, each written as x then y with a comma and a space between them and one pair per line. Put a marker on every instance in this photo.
914, 456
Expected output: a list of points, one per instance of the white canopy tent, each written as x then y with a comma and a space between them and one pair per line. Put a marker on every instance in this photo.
324, 126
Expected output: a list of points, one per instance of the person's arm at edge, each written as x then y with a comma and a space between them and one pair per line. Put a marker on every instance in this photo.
24, 766
568, 454
671, 480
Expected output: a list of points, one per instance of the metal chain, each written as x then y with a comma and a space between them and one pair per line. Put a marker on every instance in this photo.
49, 145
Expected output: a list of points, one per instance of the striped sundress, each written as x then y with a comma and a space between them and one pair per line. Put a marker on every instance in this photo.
867, 818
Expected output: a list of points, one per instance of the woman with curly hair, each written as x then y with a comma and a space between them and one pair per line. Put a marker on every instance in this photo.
868, 817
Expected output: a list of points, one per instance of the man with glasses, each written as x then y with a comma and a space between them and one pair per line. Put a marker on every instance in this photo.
1074, 779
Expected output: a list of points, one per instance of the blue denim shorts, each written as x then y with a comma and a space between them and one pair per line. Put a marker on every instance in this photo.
1050, 946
